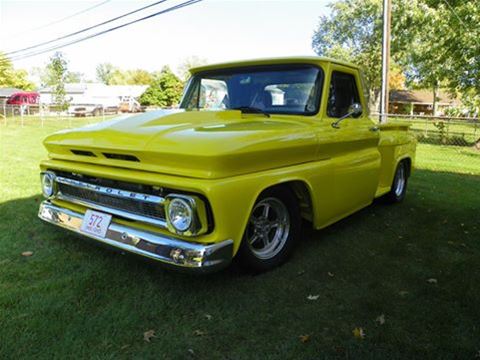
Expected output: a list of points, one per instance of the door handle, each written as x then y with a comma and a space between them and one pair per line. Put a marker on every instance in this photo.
374, 128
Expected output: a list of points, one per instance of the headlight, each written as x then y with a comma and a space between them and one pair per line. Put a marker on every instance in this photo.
48, 184
180, 214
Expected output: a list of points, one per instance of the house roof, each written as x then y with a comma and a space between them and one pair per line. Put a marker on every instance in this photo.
8, 91
69, 89
422, 97
98, 89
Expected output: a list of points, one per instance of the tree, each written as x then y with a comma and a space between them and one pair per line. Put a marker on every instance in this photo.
105, 72
435, 42
47, 76
73, 77
458, 34
165, 90
397, 79
138, 77
9, 77
353, 32
111, 75
187, 64
57, 70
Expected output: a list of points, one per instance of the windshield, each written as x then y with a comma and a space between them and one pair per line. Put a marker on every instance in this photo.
292, 89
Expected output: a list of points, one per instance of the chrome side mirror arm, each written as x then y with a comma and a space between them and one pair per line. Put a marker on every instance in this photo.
354, 110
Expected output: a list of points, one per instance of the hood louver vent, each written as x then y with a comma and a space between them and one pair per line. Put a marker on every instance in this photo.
121, 157
83, 153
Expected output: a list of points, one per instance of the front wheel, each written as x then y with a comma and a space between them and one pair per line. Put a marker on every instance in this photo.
399, 185
272, 230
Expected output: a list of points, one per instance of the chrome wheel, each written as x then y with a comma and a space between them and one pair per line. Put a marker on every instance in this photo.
401, 181
268, 228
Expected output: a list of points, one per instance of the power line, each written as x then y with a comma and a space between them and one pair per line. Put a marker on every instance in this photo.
66, 17
42, 51
85, 29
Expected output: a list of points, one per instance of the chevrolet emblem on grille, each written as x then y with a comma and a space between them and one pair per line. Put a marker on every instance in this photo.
111, 191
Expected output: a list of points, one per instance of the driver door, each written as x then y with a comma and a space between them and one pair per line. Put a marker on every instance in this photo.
352, 147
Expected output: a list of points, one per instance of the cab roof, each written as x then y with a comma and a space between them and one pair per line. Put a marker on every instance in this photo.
314, 60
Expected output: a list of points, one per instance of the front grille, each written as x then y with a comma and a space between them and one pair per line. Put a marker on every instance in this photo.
128, 186
121, 202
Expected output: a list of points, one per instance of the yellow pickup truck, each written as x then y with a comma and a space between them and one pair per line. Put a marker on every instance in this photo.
256, 150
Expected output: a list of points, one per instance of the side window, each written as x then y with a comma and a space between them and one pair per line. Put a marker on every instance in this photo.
343, 93
213, 94
208, 94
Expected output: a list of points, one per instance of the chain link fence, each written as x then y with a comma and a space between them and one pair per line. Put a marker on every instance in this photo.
46, 115
445, 143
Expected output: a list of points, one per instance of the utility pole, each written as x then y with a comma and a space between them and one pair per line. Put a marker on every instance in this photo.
387, 10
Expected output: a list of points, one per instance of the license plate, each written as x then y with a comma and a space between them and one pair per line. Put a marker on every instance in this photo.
96, 223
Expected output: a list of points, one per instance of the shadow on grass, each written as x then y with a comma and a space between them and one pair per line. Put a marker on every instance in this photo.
20, 221
380, 260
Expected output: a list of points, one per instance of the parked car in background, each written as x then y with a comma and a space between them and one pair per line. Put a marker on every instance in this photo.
286, 140
24, 98
92, 110
22, 102
130, 104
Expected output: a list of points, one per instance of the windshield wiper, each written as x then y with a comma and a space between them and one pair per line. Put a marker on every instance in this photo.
251, 110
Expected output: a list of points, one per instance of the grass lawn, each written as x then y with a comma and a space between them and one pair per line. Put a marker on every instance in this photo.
416, 263
457, 159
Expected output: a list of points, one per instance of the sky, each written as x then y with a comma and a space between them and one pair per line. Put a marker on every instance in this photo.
214, 30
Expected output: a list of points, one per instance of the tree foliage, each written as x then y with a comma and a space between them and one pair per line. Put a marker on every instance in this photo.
165, 90
57, 71
47, 75
352, 32
434, 42
111, 75
10, 77
73, 77
105, 73
187, 64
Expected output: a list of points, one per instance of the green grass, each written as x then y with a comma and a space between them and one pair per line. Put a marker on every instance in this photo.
75, 299
457, 159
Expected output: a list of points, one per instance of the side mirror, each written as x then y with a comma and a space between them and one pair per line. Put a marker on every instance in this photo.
355, 110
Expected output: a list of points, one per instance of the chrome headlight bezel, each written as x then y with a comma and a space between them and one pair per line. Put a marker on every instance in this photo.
49, 186
197, 222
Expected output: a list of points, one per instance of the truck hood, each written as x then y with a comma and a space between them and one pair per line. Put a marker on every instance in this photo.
199, 144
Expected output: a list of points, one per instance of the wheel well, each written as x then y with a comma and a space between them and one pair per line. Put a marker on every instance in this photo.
408, 162
302, 193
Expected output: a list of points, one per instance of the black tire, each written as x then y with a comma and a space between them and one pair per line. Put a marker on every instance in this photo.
399, 185
261, 255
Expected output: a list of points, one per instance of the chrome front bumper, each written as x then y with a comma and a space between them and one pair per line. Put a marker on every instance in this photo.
172, 252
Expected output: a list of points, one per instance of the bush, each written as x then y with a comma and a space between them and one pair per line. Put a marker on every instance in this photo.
165, 91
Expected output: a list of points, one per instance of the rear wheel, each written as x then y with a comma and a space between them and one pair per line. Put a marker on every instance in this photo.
399, 185
272, 230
